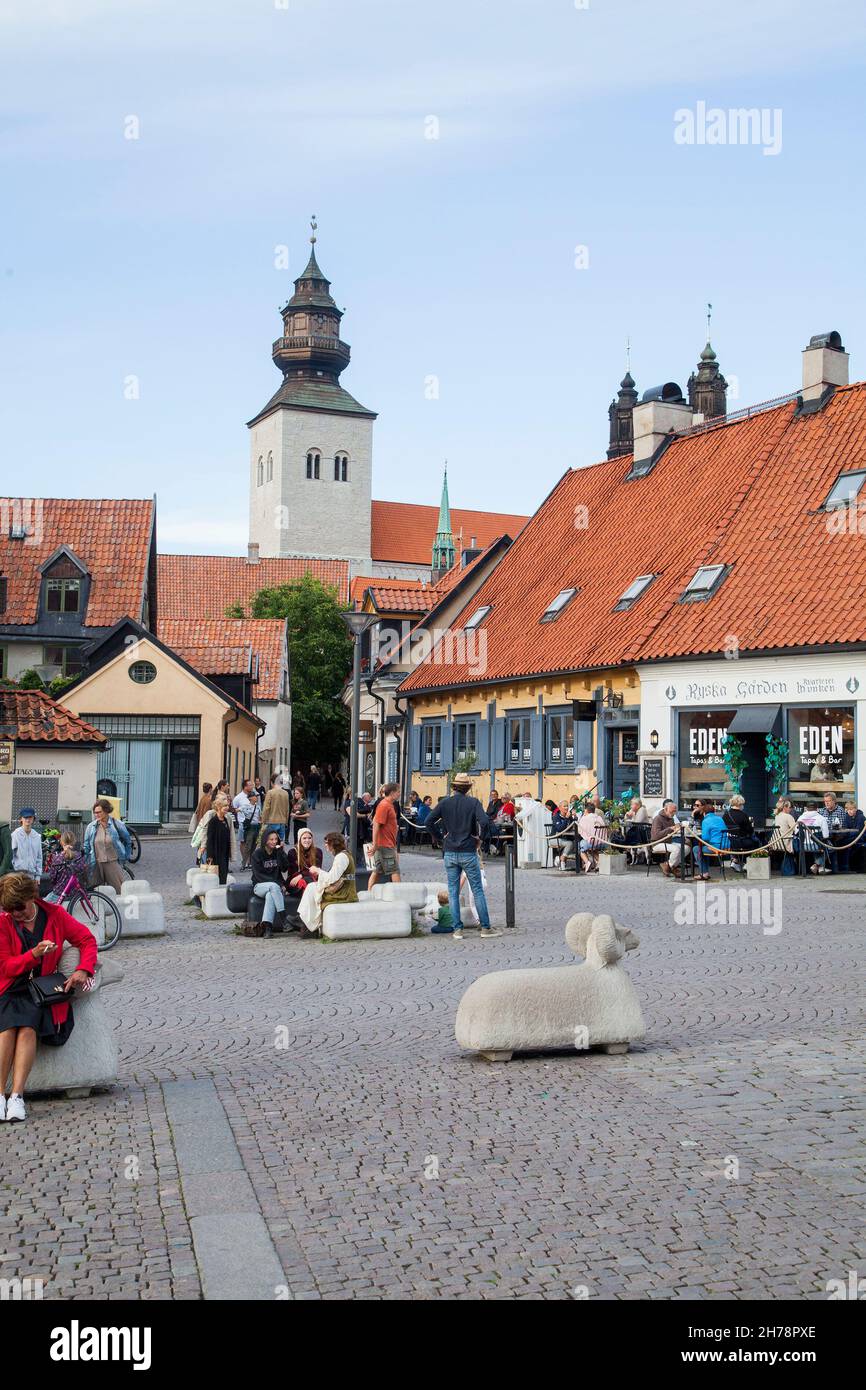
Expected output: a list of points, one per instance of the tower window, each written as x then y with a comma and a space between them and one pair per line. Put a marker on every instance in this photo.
270, 467
341, 468
260, 471
314, 461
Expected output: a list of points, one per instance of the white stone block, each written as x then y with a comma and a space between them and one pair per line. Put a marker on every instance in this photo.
89, 1058
214, 904
143, 915
134, 887
355, 921
415, 894
202, 882
191, 873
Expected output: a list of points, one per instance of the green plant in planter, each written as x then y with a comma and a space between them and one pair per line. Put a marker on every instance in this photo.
465, 763
736, 761
776, 762
614, 849
760, 854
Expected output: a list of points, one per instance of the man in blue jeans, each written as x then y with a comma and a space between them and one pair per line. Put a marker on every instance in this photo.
462, 820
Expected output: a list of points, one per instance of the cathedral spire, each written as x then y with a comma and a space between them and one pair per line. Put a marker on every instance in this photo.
443, 545
619, 413
707, 388
311, 346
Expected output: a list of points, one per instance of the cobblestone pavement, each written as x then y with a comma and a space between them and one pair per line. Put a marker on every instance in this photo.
388, 1164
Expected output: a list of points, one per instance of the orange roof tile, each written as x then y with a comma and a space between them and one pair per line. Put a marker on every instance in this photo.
207, 585
31, 716
230, 646
403, 532
110, 537
747, 494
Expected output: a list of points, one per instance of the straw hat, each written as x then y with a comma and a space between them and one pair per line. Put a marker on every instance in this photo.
462, 780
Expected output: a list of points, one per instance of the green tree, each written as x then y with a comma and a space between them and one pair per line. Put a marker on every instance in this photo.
320, 656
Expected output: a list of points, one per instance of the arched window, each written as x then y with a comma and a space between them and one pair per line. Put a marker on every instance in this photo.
270, 467
260, 471
314, 459
341, 468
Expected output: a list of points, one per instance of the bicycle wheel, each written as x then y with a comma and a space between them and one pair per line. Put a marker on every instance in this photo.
135, 852
90, 904
126, 870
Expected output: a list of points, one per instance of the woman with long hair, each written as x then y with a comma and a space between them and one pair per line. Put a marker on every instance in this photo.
336, 886
305, 863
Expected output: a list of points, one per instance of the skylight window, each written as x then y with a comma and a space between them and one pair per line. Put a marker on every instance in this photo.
477, 617
704, 583
845, 489
554, 609
634, 591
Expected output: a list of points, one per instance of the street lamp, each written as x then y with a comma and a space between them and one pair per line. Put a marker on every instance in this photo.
654, 739
357, 623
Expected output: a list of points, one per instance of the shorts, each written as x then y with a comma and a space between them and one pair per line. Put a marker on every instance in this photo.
385, 861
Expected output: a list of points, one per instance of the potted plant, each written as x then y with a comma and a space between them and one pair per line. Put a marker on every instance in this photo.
776, 763
758, 864
736, 761
612, 860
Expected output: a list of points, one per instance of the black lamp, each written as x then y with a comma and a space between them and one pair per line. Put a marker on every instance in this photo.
654, 739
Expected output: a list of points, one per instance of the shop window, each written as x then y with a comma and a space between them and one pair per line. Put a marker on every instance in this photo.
702, 735
821, 751
845, 489
431, 747
62, 595
634, 591
563, 598
519, 746
560, 741
704, 583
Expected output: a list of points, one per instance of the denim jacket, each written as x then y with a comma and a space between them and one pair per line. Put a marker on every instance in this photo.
119, 837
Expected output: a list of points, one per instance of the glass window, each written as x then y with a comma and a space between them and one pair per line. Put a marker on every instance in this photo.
431, 746
560, 740
821, 750
554, 609
704, 581
313, 464
270, 467
465, 737
62, 595
142, 672
341, 468
702, 755
260, 472
845, 489
477, 617
519, 753
634, 590
67, 658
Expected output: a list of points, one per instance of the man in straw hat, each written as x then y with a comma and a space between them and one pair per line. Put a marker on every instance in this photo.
463, 820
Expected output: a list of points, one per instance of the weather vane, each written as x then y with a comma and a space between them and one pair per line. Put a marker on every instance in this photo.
315, 226
628, 354
709, 316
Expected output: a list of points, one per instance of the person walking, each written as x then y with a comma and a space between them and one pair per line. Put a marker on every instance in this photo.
107, 847
314, 787
245, 806
462, 820
385, 857
275, 812
204, 804
338, 790
27, 846
300, 812
220, 843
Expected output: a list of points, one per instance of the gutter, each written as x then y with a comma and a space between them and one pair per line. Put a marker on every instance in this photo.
381, 703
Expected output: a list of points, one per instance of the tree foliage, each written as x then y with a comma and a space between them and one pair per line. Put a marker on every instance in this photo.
320, 656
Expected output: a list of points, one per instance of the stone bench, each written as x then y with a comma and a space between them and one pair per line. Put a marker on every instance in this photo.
143, 912
369, 919
415, 894
201, 882
89, 1058
215, 903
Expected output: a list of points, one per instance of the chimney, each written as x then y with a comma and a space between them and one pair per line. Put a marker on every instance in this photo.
660, 412
253, 553
468, 555
825, 364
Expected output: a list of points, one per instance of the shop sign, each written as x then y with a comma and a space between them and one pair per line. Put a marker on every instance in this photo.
796, 688
7, 755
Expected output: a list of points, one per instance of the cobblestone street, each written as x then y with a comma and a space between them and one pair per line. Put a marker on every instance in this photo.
379, 1161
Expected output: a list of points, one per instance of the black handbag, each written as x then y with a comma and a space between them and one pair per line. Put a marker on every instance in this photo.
48, 989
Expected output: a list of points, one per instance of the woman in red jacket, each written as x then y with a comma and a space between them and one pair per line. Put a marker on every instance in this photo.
32, 936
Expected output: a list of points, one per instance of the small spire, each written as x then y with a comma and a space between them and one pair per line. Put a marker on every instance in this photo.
628, 356
315, 227
709, 318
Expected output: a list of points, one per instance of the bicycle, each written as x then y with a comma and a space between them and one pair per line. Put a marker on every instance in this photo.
135, 850
73, 894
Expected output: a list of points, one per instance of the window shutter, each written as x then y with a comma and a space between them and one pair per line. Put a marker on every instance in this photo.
415, 757
483, 741
447, 746
498, 758
536, 742
583, 743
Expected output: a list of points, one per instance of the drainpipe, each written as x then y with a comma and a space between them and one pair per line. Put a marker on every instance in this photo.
402, 759
381, 703
226, 742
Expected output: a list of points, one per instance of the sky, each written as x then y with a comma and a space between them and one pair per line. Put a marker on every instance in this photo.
505, 193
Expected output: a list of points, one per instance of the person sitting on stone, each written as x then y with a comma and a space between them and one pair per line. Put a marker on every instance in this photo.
270, 865
305, 864
337, 885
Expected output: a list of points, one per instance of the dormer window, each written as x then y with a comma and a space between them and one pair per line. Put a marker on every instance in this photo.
62, 595
634, 591
704, 583
845, 489
553, 610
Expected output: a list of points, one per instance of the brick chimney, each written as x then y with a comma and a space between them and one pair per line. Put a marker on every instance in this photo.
825, 364
253, 553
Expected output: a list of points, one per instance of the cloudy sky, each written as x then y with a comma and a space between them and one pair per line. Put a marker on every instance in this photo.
154, 258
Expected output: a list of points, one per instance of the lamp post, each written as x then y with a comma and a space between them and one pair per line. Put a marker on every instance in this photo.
357, 623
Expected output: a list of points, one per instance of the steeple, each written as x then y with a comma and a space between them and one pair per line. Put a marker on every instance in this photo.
311, 346
443, 545
619, 413
707, 388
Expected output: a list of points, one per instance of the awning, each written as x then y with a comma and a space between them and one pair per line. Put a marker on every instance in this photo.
755, 719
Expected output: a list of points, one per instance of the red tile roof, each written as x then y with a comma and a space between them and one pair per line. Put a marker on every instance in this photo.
747, 495
110, 537
230, 646
206, 585
31, 716
403, 532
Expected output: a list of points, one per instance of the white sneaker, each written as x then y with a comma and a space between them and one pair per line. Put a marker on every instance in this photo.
489, 931
15, 1108
457, 936
2, 1107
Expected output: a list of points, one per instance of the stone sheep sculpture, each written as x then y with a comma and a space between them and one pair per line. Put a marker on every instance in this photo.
593, 1004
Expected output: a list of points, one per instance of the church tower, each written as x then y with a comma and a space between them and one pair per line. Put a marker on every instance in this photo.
311, 447
620, 413
443, 545
707, 388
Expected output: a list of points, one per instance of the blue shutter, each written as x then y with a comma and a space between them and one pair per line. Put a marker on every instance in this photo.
583, 743
483, 741
415, 746
536, 742
498, 758
447, 746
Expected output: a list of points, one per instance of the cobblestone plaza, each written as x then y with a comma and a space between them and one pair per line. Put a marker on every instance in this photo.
295, 1120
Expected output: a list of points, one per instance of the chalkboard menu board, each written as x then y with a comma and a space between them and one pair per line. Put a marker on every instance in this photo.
628, 746
653, 777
